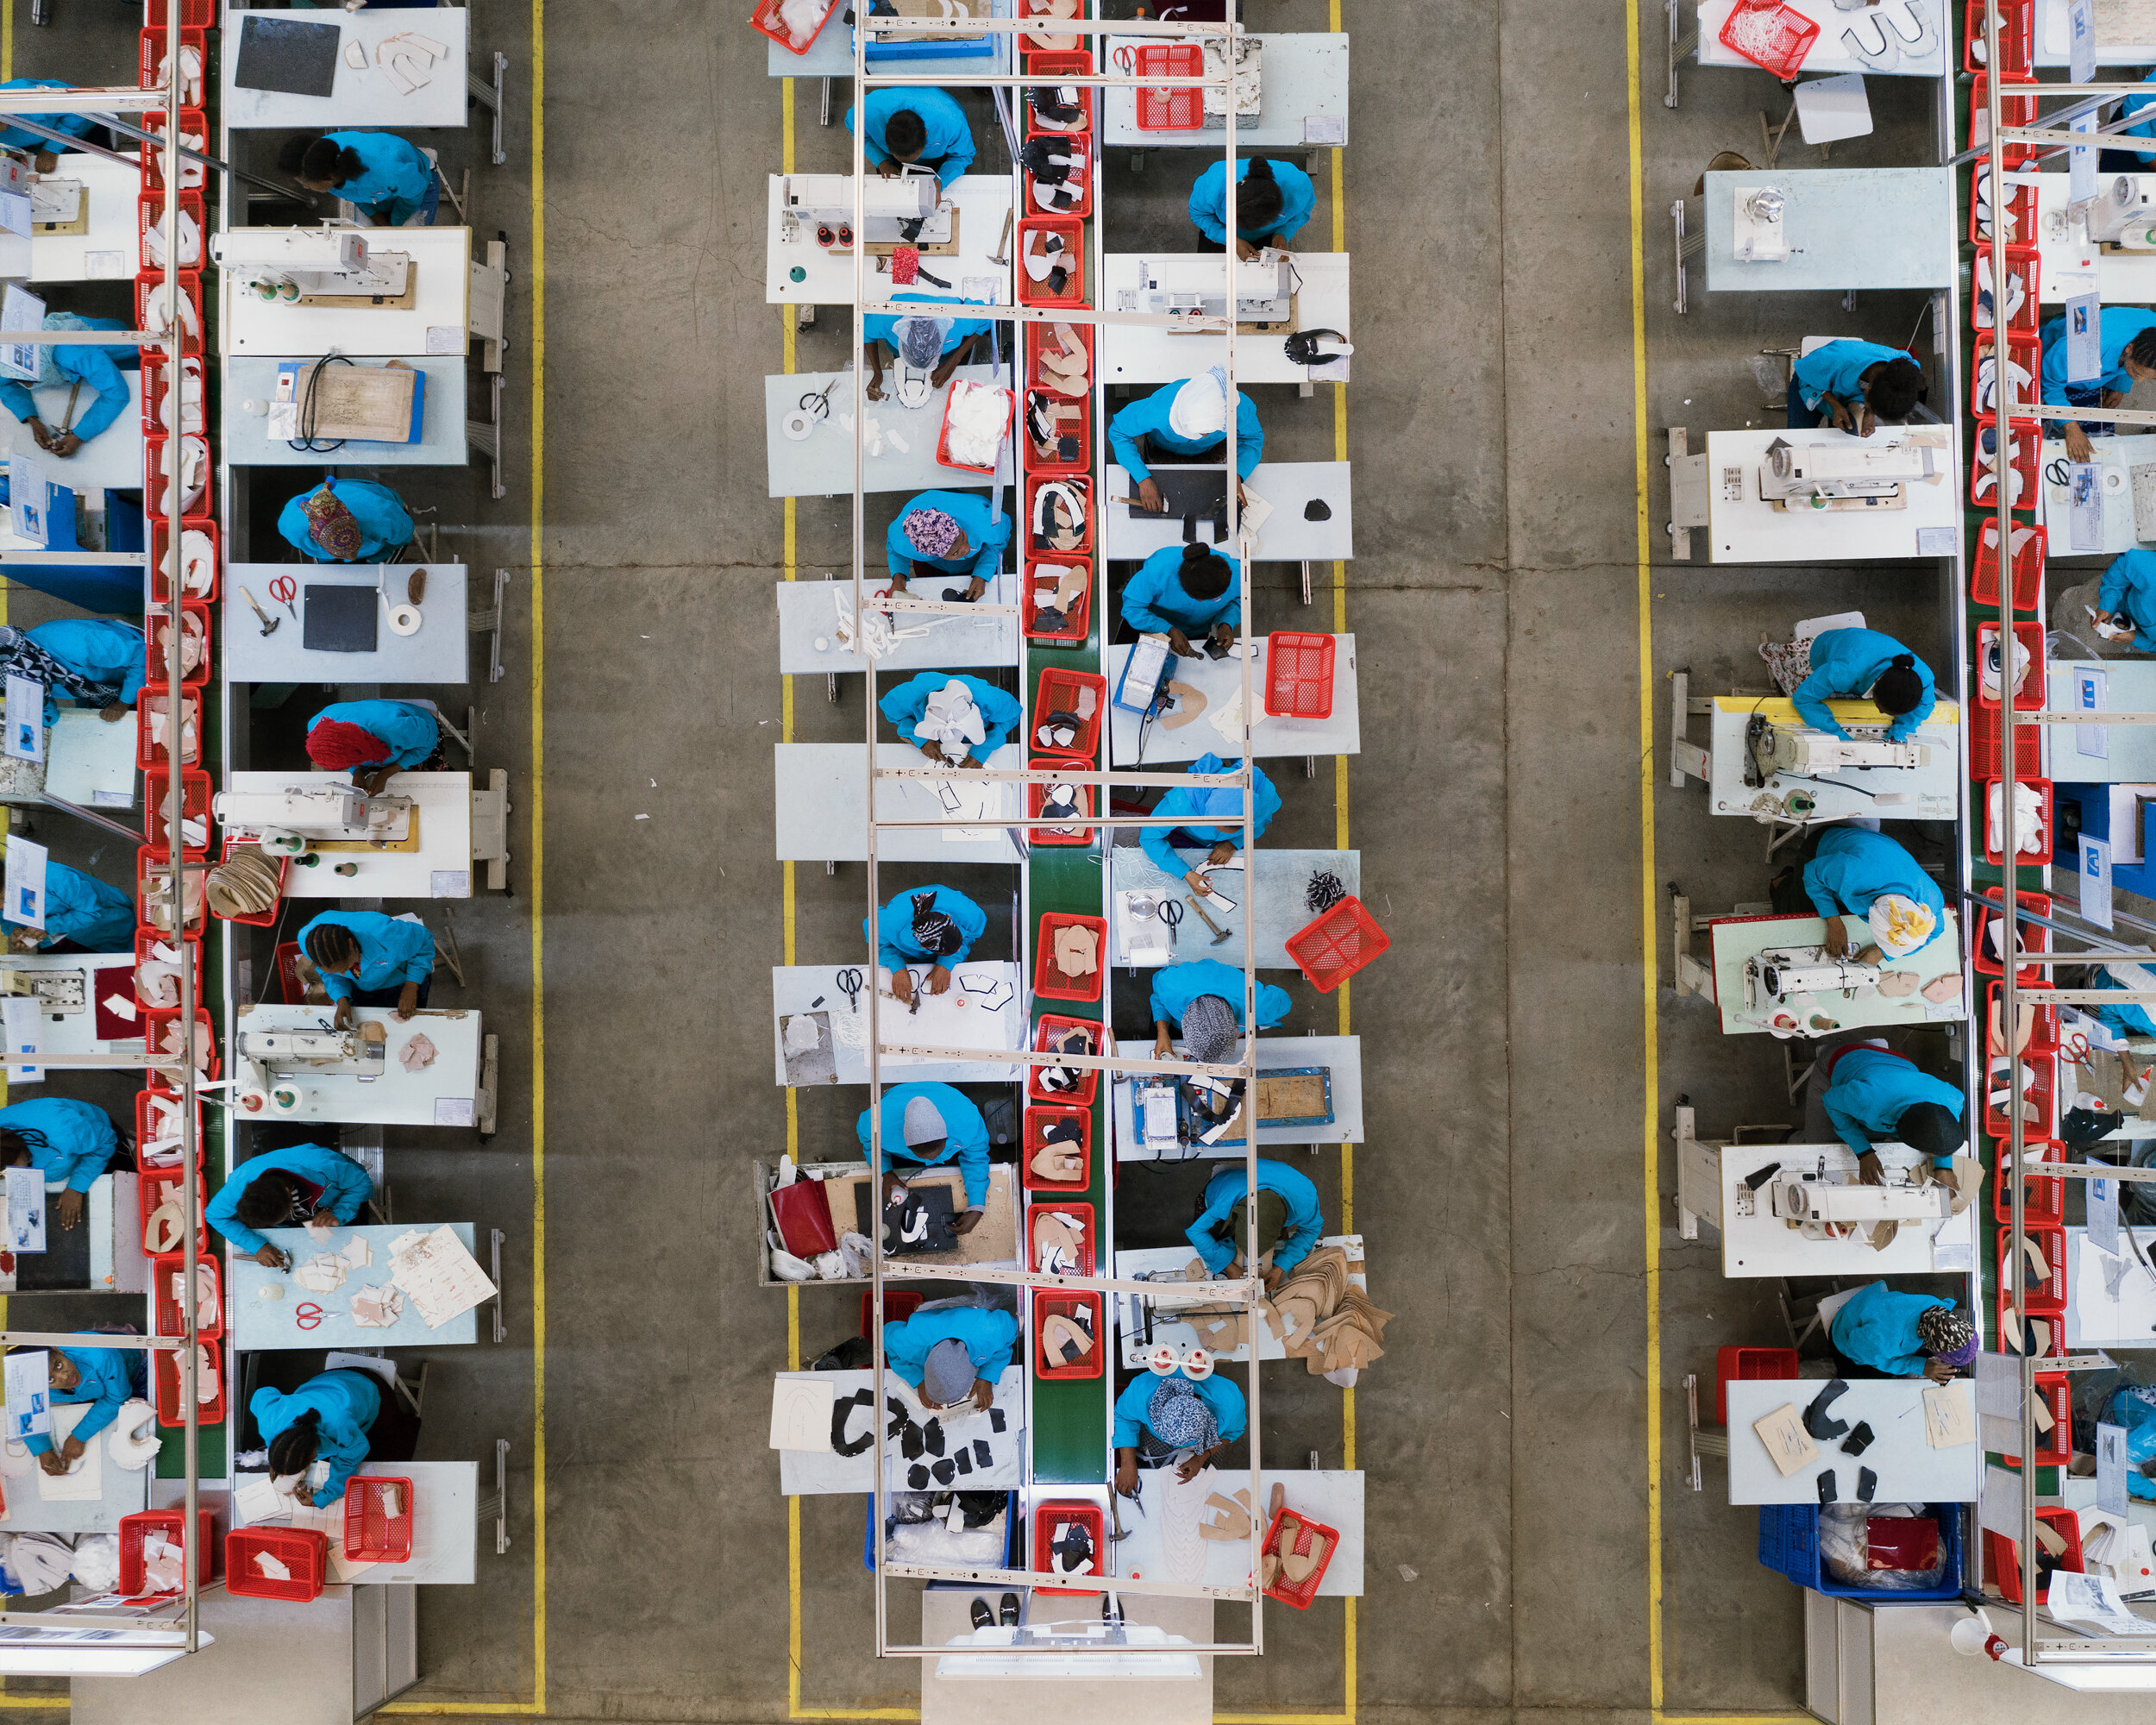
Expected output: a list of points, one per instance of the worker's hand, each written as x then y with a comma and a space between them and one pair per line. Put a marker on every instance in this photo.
373, 784
25, 940
39, 430
975, 587
1242, 497
269, 1258
1273, 1278
2113, 398
890, 167
323, 1224
305, 1495
1938, 1371
341, 1019
1179, 644
1195, 881
69, 1209
51, 1463
897, 589
65, 444
1163, 1046
873, 388
70, 1451
1867, 422
1188, 1468
407, 1002
935, 755
1837, 941
902, 987
1223, 634
1836, 415
984, 1395
2077, 448
1222, 852
942, 374
894, 1190
1869, 1172
1148, 498
939, 981
114, 713
1245, 250
967, 1222
1126, 1476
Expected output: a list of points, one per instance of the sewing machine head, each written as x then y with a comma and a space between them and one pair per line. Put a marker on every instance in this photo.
1847, 468
271, 1049
2124, 214
287, 262
905, 209
312, 812
57, 992
1772, 749
1785, 973
1197, 288
1820, 1209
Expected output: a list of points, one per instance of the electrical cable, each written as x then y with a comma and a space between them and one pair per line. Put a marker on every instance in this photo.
307, 442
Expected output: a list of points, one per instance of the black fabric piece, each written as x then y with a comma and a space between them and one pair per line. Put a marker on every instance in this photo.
290, 57
2081, 1127
1826, 1488
1858, 1440
1867, 1482
842, 1411
934, 1438
1317, 510
964, 1461
1817, 1421
995, 1419
917, 1477
899, 1417
911, 1442
982, 1453
980, 1508
945, 1470
1190, 530
338, 619
957, 596
1063, 1132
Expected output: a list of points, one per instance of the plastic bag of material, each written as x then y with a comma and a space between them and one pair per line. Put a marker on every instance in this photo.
1854, 1537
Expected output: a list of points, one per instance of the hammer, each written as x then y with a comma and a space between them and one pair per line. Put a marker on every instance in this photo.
269, 623
1219, 934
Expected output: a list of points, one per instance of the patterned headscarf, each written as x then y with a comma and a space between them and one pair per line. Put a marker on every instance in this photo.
330, 525
932, 532
933, 931
1209, 1031
1900, 924
1179, 1417
1948, 1333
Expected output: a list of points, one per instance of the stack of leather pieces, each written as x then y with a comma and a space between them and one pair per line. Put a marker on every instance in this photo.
1298, 1550
1051, 41
1058, 1243
1326, 1319
1058, 1158
1065, 1340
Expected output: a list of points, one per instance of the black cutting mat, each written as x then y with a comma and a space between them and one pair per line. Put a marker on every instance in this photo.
935, 1200
339, 619
287, 56
1199, 491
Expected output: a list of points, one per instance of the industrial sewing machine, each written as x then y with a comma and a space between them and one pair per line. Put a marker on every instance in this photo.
272, 1063
2123, 216
287, 822
1196, 286
1784, 974
308, 266
1772, 749
1822, 1209
1179, 1120
905, 212
1844, 474
57, 992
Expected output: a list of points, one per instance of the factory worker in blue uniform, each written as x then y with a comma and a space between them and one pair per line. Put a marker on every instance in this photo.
2134, 1405
1288, 1224
1857, 872
1853, 385
2127, 335
1187, 593
390, 180
64, 365
372, 739
929, 1123
951, 533
108, 1377
1273, 199
44, 149
1187, 420
1881, 1333
101, 662
952, 1351
1853, 664
955, 720
923, 126
64, 1140
82, 914
2126, 598
326, 1419
934, 343
1181, 1413
346, 521
2139, 109
1215, 816
302, 1183
1874, 1094
368, 959
933, 925
1202, 999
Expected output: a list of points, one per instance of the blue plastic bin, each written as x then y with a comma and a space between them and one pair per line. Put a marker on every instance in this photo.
1010, 1533
1788, 1544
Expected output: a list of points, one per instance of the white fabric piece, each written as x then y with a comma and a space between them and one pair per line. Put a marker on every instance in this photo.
975, 423
40, 1562
97, 1563
2028, 810
133, 1443
952, 720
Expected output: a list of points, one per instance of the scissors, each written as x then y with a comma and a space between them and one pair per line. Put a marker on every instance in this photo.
1170, 910
849, 985
817, 402
308, 1316
283, 590
2055, 471
2077, 1049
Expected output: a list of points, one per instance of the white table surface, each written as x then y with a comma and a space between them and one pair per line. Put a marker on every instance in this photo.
111, 460
1343, 1055
2055, 513
73, 1032
822, 801
1167, 1327
1274, 894
259, 1323
1827, 53
397, 1097
1332, 1498
440, 310
86, 760
819, 1472
439, 652
2130, 756
2052, 39
1934, 788
441, 421
1848, 229
1748, 529
1909, 1470
983, 199
1288, 537
822, 463
1760, 1244
1305, 73
123, 1490
954, 1020
1132, 353
2095, 1319
361, 96
1732, 940
831, 55
445, 1497
111, 188
444, 858
808, 613
1220, 681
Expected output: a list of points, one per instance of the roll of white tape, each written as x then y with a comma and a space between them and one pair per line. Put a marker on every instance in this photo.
403, 619
798, 425
2114, 480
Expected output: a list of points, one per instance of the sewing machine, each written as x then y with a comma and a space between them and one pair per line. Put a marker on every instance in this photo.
300, 263
1859, 472
1200, 1114
907, 210
1772, 749
2123, 216
1787, 973
1820, 1209
57, 992
1196, 286
286, 821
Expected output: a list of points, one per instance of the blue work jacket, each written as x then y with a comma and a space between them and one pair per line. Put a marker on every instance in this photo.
1147, 418
962, 330
950, 146
1838, 369
1227, 1189
905, 705
80, 907
392, 169
1230, 1413
2117, 329
96, 368
2134, 1405
14, 138
393, 952
2129, 584
111, 1378
967, 1139
989, 1333
987, 534
1872, 1089
385, 522
348, 1402
1209, 202
2127, 1017
342, 1187
1878, 1328
1845, 662
79, 1138
409, 733
1154, 601
895, 946
1207, 806
1854, 865
98, 649
1176, 985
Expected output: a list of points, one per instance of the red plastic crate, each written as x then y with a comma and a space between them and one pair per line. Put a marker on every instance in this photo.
2002, 1557
152, 60
2042, 1083
1046, 1518
1078, 625
1049, 1026
1038, 336
153, 1025
2013, 110
2043, 1036
2054, 1448
1058, 691
1080, 428
164, 1370
1338, 944
942, 430
194, 15
154, 658
1045, 66
1038, 1119
155, 368
765, 20
2020, 206
169, 1319
373, 1532
150, 206
196, 788
2044, 1195
2033, 936
1051, 984
2022, 263
194, 135
2050, 1300
2028, 566
1744, 1365
1084, 161
1036, 543
153, 482
152, 1185
1050, 1303
2026, 859
191, 288
2030, 697
1299, 674
898, 1302
2017, 39
1087, 1252
135, 1529
149, 754
1170, 109
160, 539
1983, 491
1987, 753
148, 856
1043, 835
1073, 228
303, 1551
268, 917
143, 1130
2021, 350
1283, 1590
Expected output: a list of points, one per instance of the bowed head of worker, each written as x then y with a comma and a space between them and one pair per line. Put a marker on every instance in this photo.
1211, 1035
1930, 1129
1948, 1335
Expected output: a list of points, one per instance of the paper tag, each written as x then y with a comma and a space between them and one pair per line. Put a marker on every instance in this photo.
1948, 1259
24, 739
2081, 42
26, 494
28, 1378
449, 883
107, 266
19, 1023
113, 798
1935, 542
2103, 1215
25, 882
2084, 338
15, 213
453, 1111
2096, 881
26, 1209
1329, 129
444, 338
2111, 1470
2081, 160
2091, 694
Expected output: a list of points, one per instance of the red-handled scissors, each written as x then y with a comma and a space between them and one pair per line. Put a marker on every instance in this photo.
308, 1316
283, 590
2077, 1049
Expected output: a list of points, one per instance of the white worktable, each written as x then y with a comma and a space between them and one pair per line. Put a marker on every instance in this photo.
1934, 788
1341, 1055
952, 1019
983, 200
1220, 681
76, 1033
1133, 353
109, 188
445, 1499
819, 1472
443, 428
123, 1491
112, 459
438, 323
1736, 939
1334, 1499
1848, 229
87, 761
1130, 1328
361, 96
259, 1323
1273, 891
448, 1087
831, 55
822, 801
2117, 456
1744, 528
1289, 486
2130, 756
1710, 1180
1305, 76
1909, 1470
822, 463
439, 651
808, 613
2068, 262
2094, 1318
1827, 53
440, 868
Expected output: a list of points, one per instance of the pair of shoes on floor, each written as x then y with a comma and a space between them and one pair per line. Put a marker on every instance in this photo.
1009, 1616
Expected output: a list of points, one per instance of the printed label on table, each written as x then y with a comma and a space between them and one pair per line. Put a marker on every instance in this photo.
113, 798
2081, 42
1332, 129
453, 1111
2111, 1470
24, 739
449, 883
2096, 881
25, 882
107, 266
1936, 542
444, 338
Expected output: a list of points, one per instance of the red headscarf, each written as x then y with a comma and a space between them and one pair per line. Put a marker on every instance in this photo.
335, 746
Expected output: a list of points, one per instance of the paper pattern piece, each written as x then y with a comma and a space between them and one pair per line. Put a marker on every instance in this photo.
83, 1482
440, 1277
271, 1567
256, 1501
357, 1253
1787, 1445
1948, 1421
378, 1308
800, 1414
321, 1274
2111, 1493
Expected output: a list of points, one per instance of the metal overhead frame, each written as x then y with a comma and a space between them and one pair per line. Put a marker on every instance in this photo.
1251, 1289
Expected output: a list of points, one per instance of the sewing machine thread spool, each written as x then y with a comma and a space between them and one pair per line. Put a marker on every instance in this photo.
287, 1099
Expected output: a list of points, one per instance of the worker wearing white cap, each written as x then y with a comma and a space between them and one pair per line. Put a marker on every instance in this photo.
1186, 420
934, 343
929, 1124
1857, 872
